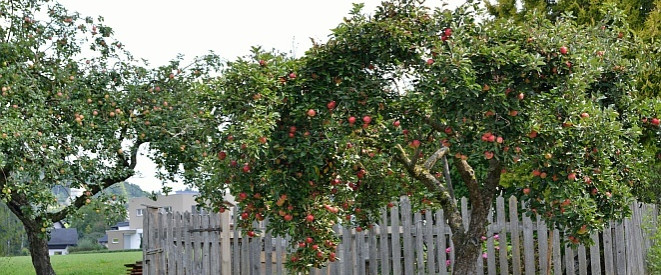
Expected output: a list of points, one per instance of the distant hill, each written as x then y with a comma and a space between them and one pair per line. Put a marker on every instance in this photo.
125, 189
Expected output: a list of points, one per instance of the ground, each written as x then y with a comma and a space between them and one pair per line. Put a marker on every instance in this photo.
75, 264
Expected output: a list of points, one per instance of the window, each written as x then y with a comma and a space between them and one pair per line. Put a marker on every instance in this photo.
115, 240
167, 209
139, 212
58, 252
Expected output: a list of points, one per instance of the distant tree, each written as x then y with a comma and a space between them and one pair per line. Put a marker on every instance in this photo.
12, 234
75, 107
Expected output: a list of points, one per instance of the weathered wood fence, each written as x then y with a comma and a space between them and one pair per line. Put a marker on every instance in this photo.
402, 243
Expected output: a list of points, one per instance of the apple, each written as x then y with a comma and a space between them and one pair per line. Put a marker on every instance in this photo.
309, 240
391, 205
430, 61
521, 96
514, 112
564, 50
301, 245
415, 143
526, 191
352, 120
583, 230
608, 194
548, 156
536, 173
292, 75
315, 247
488, 155
655, 121
243, 196
499, 140
309, 218
396, 123
532, 134
331, 105
233, 163
543, 175
312, 113
288, 217
331, 257
367, 119
251, 234
447, 32
245, 215
262, 63
359, 229
585, 115
571, 176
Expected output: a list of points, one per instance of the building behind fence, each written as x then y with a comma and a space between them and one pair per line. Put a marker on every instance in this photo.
402, 243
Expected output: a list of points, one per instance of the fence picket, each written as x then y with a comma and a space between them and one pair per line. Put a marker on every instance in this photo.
373, 260
383, 243
394, 241
442, 242
502, 227
514, 230
408, 237
543, 245
419, 244
429, 242
595, 259
528, 246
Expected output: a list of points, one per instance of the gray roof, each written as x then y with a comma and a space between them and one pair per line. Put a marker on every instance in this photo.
103, 239
63, 236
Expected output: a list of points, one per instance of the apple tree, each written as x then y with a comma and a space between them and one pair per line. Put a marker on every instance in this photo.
75, 108
405, 100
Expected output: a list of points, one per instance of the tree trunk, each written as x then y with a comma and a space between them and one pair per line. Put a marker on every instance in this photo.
468, 245
39, 252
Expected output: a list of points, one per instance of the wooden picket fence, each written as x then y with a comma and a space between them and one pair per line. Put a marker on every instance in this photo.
402, 243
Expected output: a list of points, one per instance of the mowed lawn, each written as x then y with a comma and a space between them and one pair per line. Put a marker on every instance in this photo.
74, 264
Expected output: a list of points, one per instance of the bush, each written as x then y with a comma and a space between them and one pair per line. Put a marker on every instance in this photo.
87, 244
654, 253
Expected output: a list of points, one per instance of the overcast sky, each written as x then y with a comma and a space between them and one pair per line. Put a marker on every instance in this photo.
157, 30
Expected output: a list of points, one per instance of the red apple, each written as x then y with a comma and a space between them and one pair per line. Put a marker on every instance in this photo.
585, 115
367, 119
309, 218
521, 96
571, 176
222, 155
488, 155
288, 217
292, 75
309, 240
396, 123
331, 105
262, 63
251, 234
430, 61
526, 191
246, 168
233, 163
536, 173
312, 113
564, 50
245, 215
448, 130
262, 140
415, 143
447, 32
301, 245
655, 121
243, 196
352, 120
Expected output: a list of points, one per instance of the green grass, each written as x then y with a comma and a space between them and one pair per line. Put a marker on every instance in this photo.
74, 264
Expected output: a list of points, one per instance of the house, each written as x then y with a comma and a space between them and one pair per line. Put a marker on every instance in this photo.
121, 236
128, 235
61, 239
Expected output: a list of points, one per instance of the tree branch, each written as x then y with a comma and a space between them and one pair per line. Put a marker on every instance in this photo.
431, 161
468, 176
446, 175
433, 184
434, 124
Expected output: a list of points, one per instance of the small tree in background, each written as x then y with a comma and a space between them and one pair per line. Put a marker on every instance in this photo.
397, 103
75, 108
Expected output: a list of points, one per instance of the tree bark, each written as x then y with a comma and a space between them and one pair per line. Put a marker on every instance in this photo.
467, 245
39, 252
38, 245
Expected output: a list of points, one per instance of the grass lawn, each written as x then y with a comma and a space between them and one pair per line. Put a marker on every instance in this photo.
74, 264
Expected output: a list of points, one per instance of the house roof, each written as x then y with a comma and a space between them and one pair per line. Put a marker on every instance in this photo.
120, 224
103, 239
63, 236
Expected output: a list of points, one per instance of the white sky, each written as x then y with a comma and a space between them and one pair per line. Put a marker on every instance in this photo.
157, 30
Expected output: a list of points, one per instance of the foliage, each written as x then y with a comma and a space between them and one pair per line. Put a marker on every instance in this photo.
12, 234
87, 244
364, 118
75, 264
75, 107
653, 259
